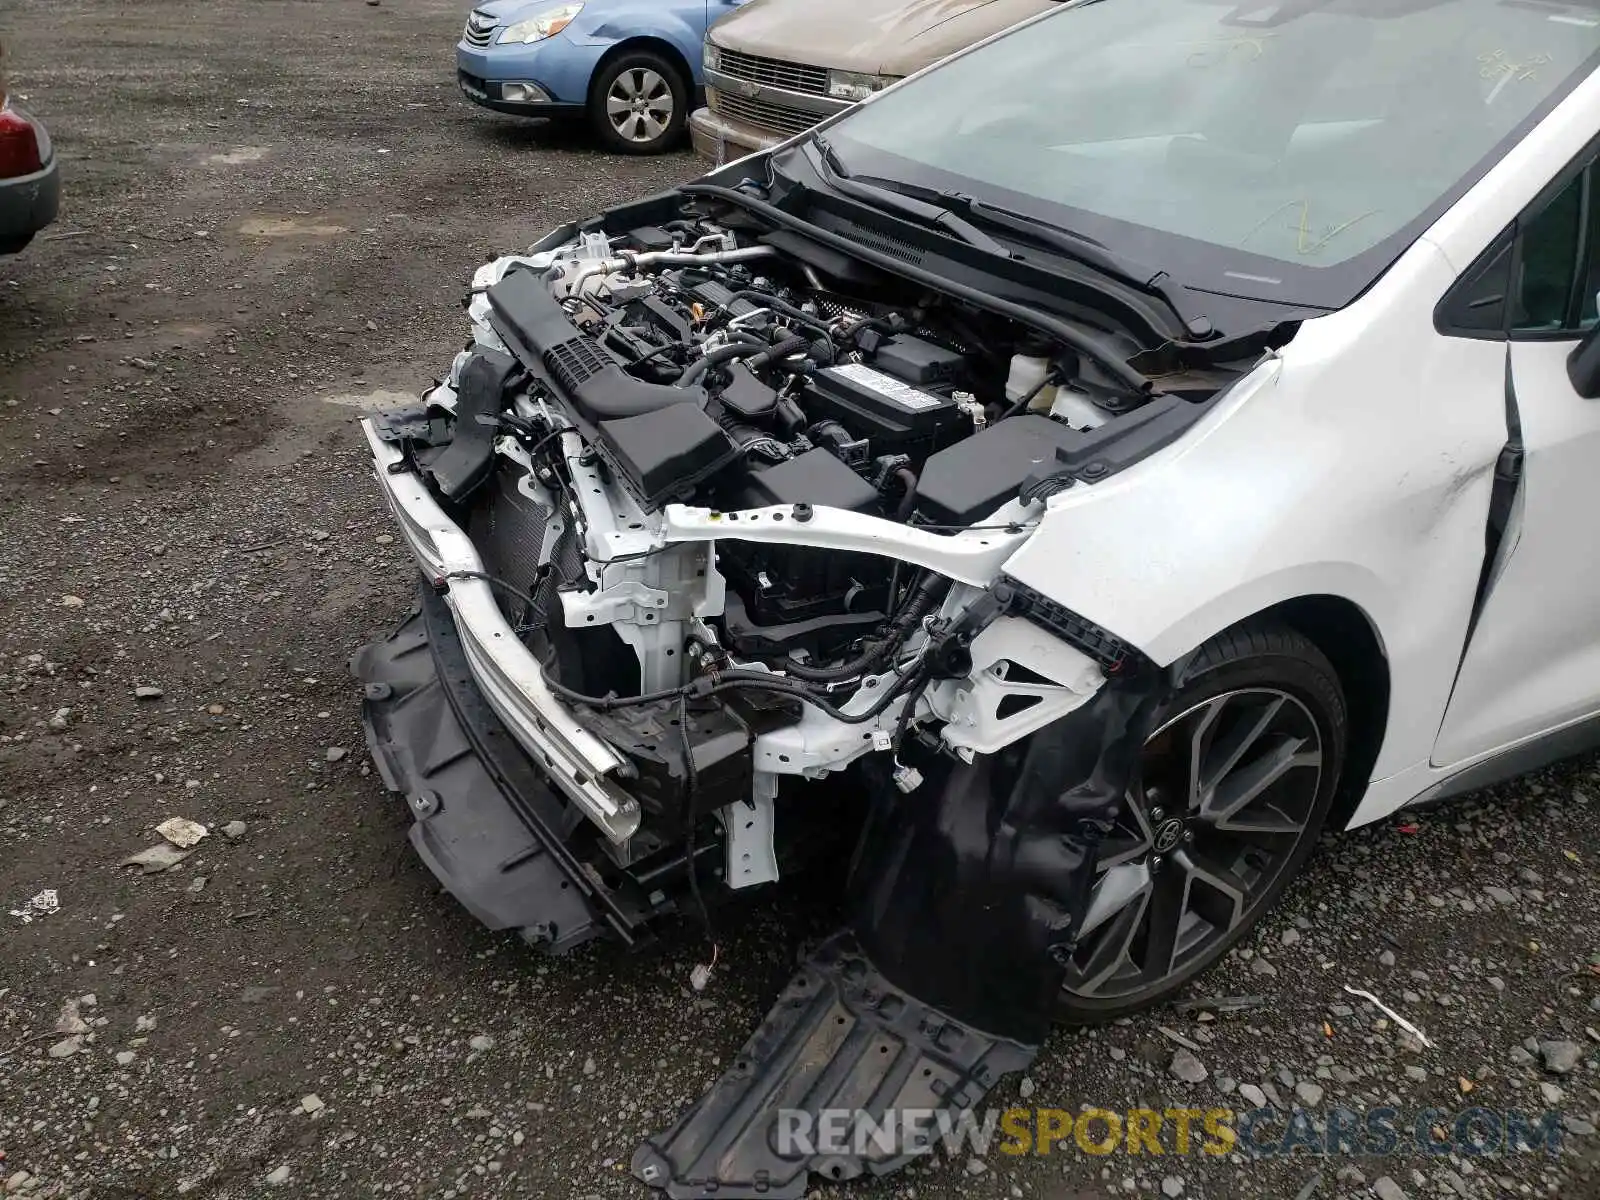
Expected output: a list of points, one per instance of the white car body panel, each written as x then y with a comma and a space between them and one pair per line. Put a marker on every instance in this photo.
1379, 436
1534, 658
1371, 392
971, 556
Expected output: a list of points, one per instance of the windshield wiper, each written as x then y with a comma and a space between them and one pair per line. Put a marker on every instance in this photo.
1076, 246
936, 215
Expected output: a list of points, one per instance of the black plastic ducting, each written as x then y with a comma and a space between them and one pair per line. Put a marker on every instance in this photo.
658, 439
537, 328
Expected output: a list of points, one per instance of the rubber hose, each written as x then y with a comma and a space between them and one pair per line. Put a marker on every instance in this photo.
721, 354
789, 345
909, 478
778, 306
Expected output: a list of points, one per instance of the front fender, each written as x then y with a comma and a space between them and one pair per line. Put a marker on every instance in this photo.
1355, 464
647, 22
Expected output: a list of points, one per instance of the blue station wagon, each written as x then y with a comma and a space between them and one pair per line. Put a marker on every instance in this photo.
631, 67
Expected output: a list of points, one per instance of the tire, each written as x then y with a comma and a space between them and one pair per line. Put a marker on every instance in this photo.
1215, 856
657, 98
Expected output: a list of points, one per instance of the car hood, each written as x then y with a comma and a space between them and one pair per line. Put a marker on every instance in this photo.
878, 37
505, 10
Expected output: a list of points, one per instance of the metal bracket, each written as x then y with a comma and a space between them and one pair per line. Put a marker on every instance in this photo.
974, 556
996, 704
628, 601
613, 523
750, 828
818, 744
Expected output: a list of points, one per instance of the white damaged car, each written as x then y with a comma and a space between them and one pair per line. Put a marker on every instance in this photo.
1057, 503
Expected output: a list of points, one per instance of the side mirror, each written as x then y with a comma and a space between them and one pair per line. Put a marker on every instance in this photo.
1583, 366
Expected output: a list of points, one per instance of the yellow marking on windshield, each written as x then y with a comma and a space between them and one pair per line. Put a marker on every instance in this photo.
1208, 52
1497, 64
1239, 49
1308, 241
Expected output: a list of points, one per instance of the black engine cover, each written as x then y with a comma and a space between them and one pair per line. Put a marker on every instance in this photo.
969, 481
664, 455
781, 584
815, 477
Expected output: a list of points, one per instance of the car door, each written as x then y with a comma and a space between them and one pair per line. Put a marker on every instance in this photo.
1532, 661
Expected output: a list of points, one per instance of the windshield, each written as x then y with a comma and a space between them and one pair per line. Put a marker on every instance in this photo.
1284, 151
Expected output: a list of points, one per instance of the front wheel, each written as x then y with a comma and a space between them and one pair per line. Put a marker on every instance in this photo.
639, 103
1231, 792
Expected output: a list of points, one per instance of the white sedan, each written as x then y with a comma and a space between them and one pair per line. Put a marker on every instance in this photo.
1147, 439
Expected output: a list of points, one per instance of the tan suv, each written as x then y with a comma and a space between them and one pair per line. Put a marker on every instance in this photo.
774, 68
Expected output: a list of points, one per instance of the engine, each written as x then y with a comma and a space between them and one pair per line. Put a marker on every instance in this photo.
627, 395
730, 375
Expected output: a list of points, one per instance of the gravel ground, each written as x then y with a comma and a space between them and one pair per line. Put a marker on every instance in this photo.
271, 203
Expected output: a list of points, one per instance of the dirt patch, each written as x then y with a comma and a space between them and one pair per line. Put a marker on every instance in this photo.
238, 156
288, 227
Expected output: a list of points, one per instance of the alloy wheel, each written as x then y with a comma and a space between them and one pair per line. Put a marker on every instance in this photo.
1226, 791
639, 104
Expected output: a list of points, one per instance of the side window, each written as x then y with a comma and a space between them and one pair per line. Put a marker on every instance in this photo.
1589, 315
1476, 306
1552, 261
1541, 277
1553, 294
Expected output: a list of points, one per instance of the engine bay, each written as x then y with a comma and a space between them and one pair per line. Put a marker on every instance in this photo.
741, 502
708, 367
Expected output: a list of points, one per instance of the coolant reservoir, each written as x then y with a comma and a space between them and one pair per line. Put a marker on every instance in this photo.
1026, 373
1076, 409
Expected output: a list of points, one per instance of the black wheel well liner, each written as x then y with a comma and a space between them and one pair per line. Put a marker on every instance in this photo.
656, 46
1346, 635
